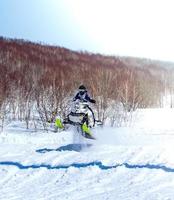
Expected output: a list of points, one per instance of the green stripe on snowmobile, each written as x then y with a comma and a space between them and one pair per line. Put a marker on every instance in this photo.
86, 129
58, 123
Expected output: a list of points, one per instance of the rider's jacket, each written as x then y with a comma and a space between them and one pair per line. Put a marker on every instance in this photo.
83, 96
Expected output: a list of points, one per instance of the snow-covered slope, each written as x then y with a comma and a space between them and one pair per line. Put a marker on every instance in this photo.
129, 163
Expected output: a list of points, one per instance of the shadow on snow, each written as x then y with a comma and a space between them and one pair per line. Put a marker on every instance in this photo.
90, 164
69, 147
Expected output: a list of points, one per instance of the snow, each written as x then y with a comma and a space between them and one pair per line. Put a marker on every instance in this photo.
127, 163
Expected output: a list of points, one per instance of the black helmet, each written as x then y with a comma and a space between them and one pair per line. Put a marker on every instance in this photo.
82, 87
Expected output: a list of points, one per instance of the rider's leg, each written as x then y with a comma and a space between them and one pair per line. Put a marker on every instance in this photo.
86, 119
91, 119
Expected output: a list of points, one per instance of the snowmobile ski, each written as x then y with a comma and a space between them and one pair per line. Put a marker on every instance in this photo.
87, 132
59, 124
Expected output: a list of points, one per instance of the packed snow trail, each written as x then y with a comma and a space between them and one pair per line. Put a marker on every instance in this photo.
129, 163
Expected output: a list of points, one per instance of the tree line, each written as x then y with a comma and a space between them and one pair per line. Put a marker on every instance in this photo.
38, 79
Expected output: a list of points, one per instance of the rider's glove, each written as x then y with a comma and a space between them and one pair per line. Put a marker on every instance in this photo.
93, 101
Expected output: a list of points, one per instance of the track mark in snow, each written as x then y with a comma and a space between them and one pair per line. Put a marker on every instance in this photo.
83, 165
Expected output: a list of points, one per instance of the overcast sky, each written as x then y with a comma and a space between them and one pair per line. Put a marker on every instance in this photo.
139, 28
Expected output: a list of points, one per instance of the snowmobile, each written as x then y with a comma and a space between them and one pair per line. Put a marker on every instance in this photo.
82, 117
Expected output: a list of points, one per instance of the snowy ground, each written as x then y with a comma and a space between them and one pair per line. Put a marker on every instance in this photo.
134, 163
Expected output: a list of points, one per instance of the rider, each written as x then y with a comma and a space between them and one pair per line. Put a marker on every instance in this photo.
82, 96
